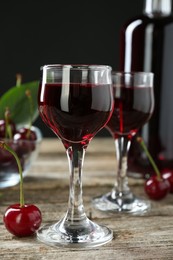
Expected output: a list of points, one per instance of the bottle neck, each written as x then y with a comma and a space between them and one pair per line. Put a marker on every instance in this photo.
157, 7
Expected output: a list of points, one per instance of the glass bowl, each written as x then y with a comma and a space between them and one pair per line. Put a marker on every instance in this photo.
27, 152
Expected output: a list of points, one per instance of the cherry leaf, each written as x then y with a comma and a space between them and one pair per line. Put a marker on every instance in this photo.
17, 102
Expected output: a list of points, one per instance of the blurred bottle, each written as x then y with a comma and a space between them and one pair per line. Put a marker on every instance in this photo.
146, 44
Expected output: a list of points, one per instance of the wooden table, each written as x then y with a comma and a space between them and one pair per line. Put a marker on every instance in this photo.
135, 237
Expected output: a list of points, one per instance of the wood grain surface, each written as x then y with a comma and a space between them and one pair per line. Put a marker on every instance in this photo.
149, 236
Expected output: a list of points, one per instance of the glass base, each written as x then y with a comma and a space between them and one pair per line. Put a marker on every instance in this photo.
126, 203
75, 235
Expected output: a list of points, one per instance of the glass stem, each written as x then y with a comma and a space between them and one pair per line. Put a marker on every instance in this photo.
121, 187
75, 154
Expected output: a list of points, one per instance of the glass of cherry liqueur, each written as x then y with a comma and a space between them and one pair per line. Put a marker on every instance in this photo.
75, 102
134, 104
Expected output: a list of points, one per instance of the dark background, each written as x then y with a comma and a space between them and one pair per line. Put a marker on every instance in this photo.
38, 32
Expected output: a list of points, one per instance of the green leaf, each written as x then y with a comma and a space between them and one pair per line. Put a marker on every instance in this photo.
17, 102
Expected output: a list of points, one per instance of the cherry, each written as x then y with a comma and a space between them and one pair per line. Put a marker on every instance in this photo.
157, 188
168, 175
21, 219
27, 137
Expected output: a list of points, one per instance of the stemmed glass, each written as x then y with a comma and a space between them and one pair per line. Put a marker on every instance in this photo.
75, 102
134, 104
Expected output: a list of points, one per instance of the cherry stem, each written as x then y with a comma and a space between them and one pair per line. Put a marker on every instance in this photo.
3, 145
28, 94
141, 141
8, 131
18, 79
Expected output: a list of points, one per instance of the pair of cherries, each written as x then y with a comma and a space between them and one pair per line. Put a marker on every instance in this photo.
8, 130
19, 219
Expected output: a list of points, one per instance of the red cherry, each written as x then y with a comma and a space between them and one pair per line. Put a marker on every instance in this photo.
27, 137
157, 188
168, 175
22, 221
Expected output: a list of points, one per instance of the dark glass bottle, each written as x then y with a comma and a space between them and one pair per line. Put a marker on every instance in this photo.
146, 44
